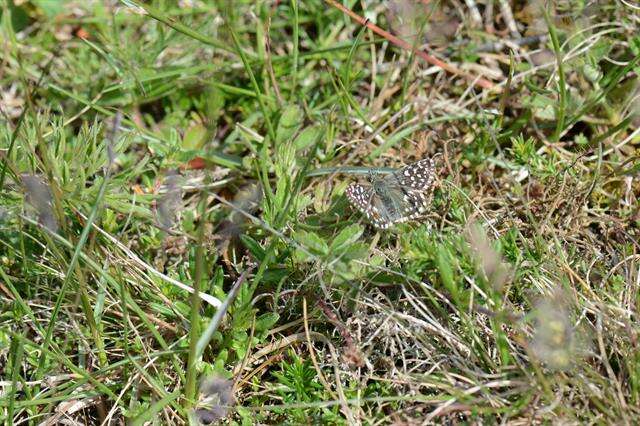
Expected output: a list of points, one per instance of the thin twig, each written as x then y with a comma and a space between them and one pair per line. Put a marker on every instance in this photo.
481, 82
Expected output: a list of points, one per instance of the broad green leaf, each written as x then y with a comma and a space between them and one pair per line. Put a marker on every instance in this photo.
19, 17
239, 343
356, 251
195, 137
215, 103
307, 137
312, 242
266, 321
289, 123
275, 275
346, 237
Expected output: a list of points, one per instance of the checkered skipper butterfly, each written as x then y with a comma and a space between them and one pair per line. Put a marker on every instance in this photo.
397, 197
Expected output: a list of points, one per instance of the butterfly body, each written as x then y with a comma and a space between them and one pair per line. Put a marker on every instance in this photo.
396, 197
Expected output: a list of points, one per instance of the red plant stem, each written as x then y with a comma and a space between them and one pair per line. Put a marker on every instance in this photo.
481, 82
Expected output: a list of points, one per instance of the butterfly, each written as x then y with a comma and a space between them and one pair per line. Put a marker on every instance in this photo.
397, 197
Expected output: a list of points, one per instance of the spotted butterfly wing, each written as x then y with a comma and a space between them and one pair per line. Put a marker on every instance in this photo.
416, 182
398, 197
364, 199
383, 208
418, 176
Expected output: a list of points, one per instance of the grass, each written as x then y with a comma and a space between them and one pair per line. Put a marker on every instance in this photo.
176, 246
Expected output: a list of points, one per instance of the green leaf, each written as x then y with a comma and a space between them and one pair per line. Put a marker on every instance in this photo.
312, 242
543, 107
19, 17
182, 307
307, 137
195, 137
283, 190
275, 275
346, 237
51, 7
289, 123
215, 103
239, 342
356, 251
217, 284
266, 321
443, 262
162, 309
253, 247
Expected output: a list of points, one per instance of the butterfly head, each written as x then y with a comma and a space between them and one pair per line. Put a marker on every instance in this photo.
372, 175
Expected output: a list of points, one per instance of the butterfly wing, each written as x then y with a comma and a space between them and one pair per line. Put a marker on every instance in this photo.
398, 197
368, 203
419, 176
416, 182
